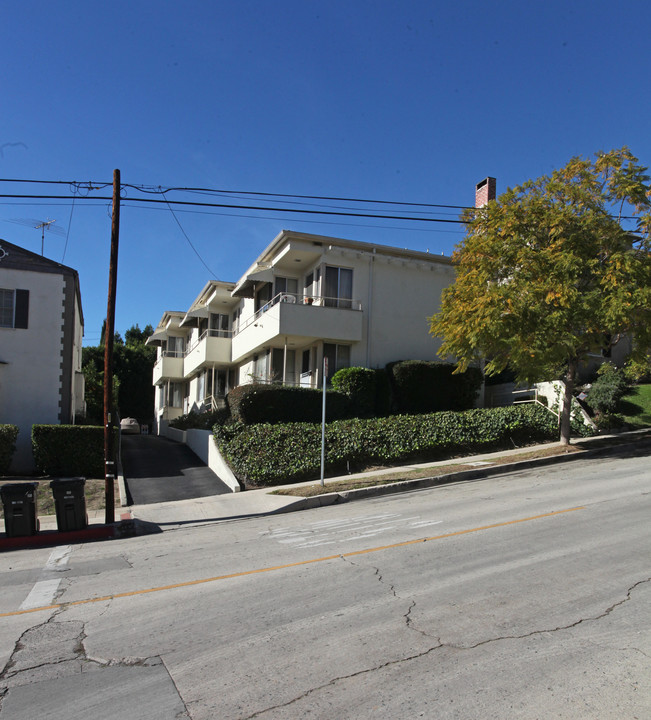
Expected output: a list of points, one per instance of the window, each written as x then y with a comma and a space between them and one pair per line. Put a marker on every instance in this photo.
286, 285
338, 287
277, 363
14, 308
218, 325
174, 395
262, 296
175, 346
236, 319
308, 285
260, 367
338, 357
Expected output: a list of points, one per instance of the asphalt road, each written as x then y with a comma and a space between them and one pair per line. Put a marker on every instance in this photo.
524, 595
159, 470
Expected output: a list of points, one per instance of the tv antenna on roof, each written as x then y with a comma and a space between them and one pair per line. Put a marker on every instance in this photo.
41, 225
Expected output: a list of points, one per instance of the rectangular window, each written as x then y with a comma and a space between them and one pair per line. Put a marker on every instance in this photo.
175, 346
338, 287
338, 357
278, 362
305, 364
6, 308
218, 325
260, 367
262, 296
236, 319
172, 394
308, 285
286, 286
14, 308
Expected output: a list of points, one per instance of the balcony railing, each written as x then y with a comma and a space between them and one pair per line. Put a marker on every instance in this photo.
292, 298
206, 334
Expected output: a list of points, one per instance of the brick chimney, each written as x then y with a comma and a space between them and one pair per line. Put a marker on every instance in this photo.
485, 191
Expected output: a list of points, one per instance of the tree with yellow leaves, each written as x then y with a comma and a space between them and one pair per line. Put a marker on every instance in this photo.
551, 271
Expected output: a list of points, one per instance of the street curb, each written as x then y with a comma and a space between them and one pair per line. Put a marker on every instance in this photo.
125, 527
460, 476
54, 537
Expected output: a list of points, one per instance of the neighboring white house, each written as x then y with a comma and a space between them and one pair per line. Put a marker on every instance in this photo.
41, 330
305, 297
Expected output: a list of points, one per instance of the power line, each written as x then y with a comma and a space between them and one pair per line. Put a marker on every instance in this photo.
185, 235
157, 190
257, 208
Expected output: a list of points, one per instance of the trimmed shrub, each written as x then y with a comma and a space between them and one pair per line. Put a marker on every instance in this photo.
421, 386
360, 386
607, 390
268, 454
69, 450
258, 403
8, 435
201, 421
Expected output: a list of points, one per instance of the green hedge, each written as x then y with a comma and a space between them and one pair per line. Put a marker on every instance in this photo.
8, 435
70, 450
368, 390
279, 454
259, 403
201, 420
420, 386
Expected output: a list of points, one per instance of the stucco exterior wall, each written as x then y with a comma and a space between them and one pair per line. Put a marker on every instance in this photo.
31, 379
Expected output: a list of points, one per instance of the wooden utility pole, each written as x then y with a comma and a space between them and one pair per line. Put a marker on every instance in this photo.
109, 411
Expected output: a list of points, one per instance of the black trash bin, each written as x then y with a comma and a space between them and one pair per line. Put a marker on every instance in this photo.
20, 508
70, 503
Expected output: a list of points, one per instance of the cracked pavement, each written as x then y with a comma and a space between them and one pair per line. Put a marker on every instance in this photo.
542, 616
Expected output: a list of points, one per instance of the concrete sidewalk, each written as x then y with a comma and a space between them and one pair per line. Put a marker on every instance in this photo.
160, 517
169, 516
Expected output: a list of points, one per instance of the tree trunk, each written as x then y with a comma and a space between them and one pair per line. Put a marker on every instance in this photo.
566, 412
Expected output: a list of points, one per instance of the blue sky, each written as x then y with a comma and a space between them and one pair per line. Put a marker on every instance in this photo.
407, 101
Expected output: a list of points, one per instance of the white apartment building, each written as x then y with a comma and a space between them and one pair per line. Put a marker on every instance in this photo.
41, 330
305, 298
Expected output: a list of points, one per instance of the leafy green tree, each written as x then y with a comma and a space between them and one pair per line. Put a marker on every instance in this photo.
133, 362
553, 270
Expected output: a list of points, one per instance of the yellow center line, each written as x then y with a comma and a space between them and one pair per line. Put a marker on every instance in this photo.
244, 573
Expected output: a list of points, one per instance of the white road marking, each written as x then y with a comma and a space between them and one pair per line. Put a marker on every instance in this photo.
58, 557
361, 527
45, 590
42, 594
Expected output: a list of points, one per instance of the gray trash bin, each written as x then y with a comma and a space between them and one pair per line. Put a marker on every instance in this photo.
20, 508
70, 503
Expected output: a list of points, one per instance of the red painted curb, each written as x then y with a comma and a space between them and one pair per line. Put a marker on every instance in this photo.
54, 537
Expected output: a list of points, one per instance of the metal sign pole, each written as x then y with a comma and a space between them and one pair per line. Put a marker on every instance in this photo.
323, 419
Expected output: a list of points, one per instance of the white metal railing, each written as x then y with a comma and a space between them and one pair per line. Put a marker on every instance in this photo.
534, 399
205, 334
168, 354
297, 299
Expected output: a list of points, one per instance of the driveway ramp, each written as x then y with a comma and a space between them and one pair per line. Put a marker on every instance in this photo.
157, 470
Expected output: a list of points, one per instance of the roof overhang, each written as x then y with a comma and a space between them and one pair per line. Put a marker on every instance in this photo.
192, 316
246, 286
157, 337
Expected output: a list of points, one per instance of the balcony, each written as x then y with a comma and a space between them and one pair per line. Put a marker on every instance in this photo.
169, 366
301, 320
213, 347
